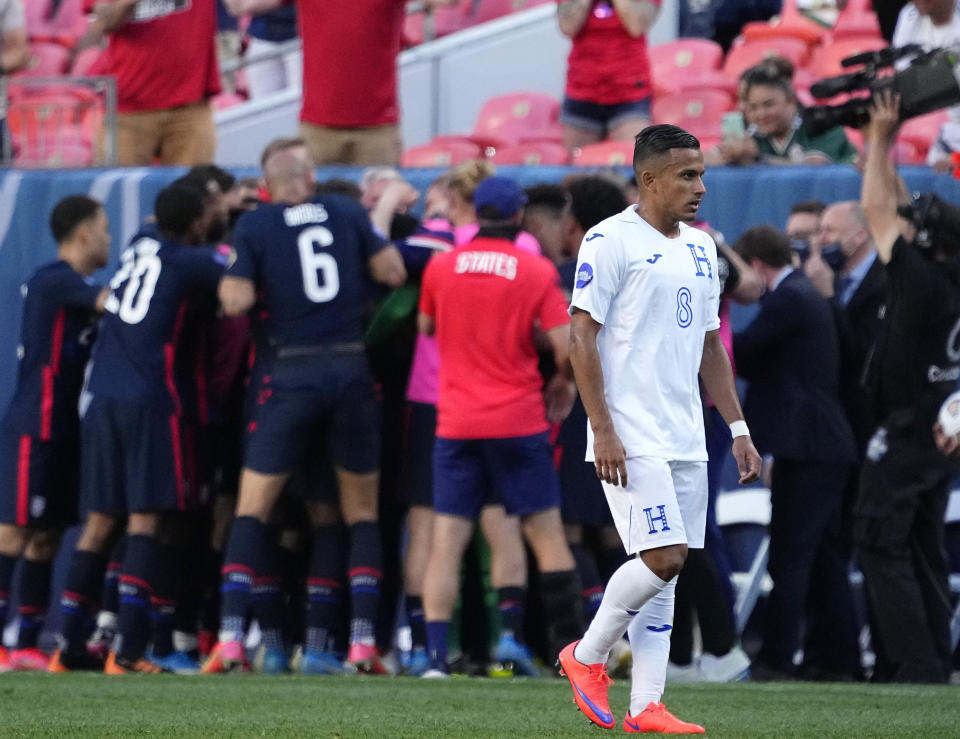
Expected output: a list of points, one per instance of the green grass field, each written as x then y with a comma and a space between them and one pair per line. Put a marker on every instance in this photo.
250, 705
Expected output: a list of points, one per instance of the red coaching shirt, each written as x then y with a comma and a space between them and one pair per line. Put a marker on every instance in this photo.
486, 297
164, 56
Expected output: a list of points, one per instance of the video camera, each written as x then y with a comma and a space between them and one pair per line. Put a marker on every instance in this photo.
929, 83
937, 222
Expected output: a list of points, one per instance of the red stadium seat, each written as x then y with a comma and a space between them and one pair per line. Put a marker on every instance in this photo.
515, 116
679, 64
48, 60
699, 112
903, 151
532, 153
488, 10
226, 100
440, 154
66, 147
605, 154
743, 56
856, 20
827, 60
790, 23
445, 20
923, 130
553, 132
40, 116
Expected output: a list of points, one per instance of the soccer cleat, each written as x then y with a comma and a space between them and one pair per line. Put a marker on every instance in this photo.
365, 658
415, 662
271, 661
315, 662
656, 719
65, 662
731, 667
226, 656
513, 658
683, 673
590, 684
179, 662
101, 642
117, 666
5, 664
29, 660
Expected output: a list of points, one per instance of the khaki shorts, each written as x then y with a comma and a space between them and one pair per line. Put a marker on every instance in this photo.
362, 146
182, 136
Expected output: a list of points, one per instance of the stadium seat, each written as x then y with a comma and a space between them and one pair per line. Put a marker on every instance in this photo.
226, 100
923, 130
605, 154
69, 20
516, 116
444, 19
743, 56
904, 151
700, 112
487, 144
790, 23
66, 148
39, 118
48, 60
488, 10
533, 152
856, 20
744, 518
827, 60
440, 154
680, 64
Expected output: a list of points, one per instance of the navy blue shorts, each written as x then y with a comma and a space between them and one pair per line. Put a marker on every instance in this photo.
602, 118
314, 480
133, 460
312, 405
38, 481
519, 467
583, 500
418, 461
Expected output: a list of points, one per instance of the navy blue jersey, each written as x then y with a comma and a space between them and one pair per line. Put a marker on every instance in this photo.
135, 357
310, 263
56, 332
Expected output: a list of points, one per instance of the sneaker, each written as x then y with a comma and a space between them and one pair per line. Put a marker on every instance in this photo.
118, 666
683, 673
5, 665
65, 662
271, 661
513, 658
590, 684
365, 658
315, 662
226, 656
101, 642
29, 660
656, 719
415, 662
731, 667
436, 670
179, 662
620, 659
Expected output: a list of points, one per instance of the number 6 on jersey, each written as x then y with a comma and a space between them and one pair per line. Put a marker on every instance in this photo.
321, 278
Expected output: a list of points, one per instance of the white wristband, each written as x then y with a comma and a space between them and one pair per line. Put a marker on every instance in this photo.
739, 428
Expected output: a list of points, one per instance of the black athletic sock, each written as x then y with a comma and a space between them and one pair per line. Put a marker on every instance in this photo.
563, 608
7, 566
592, 586
140, 563
513, 608
80, 596
248, 538
209, 616
33, 596
325, 586
417, 621
164, 600
267, 595
365, 574
111, 580
609, 561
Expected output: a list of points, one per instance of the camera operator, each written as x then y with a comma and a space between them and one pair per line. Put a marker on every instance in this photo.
904, 483
933, 24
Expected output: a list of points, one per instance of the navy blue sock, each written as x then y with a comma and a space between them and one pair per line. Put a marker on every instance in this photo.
417, 621
513, 608
248, 538
80, 596
33, 596
437, 642
589, 580
111, 581
325, 586
7, 566
561, 593
365, 574
164, 599
267, 595
140, 563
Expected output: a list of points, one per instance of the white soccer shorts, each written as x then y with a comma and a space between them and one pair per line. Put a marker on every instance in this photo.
664, 503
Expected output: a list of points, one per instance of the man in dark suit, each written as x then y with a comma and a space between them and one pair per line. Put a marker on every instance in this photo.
790, 356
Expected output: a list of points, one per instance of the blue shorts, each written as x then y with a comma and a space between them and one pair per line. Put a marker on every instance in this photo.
133, 459
601, 118
311, 406
418, 460
519, 467
583, 500
38, 481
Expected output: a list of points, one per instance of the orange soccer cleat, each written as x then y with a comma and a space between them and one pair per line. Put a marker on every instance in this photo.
590, 684
29, 660
365, 658
656, 719
5, 665
226, 656
116, 666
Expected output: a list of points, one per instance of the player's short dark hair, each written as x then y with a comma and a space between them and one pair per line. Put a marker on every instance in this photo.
660, 139
594, 198
813, 207
339, 186
548, 196
766, 243
179, 205
204, 173
70, 213
281, 144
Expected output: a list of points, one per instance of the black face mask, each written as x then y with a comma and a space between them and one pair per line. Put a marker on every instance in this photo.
801, 247
833, 255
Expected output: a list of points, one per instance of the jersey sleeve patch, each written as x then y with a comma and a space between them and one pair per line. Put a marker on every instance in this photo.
584, 275
224, 255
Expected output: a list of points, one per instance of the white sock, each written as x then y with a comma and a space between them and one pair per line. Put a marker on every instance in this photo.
650, 644
632, 585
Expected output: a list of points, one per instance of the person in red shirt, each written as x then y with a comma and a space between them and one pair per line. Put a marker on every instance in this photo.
164, 58
608, 72
485, 302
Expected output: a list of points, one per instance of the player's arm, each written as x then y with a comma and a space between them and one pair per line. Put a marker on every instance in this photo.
610, 456
386, 266
636, 15
878, 193
717, 376
572, 15
560, 392
237, 295
426, 325
111, 15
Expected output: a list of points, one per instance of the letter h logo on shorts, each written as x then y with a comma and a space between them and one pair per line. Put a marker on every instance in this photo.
662, 518
701, 259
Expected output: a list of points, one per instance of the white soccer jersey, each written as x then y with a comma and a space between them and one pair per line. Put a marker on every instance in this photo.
656, 298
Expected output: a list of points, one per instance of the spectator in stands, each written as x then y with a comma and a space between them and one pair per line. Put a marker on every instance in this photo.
803, 223
933, 24
269, 31
228, 46
776, 133
163, 115
790, 356
730, 17
14, 56
608, 72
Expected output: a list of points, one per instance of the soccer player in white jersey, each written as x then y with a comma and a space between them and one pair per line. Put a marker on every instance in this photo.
644, 325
